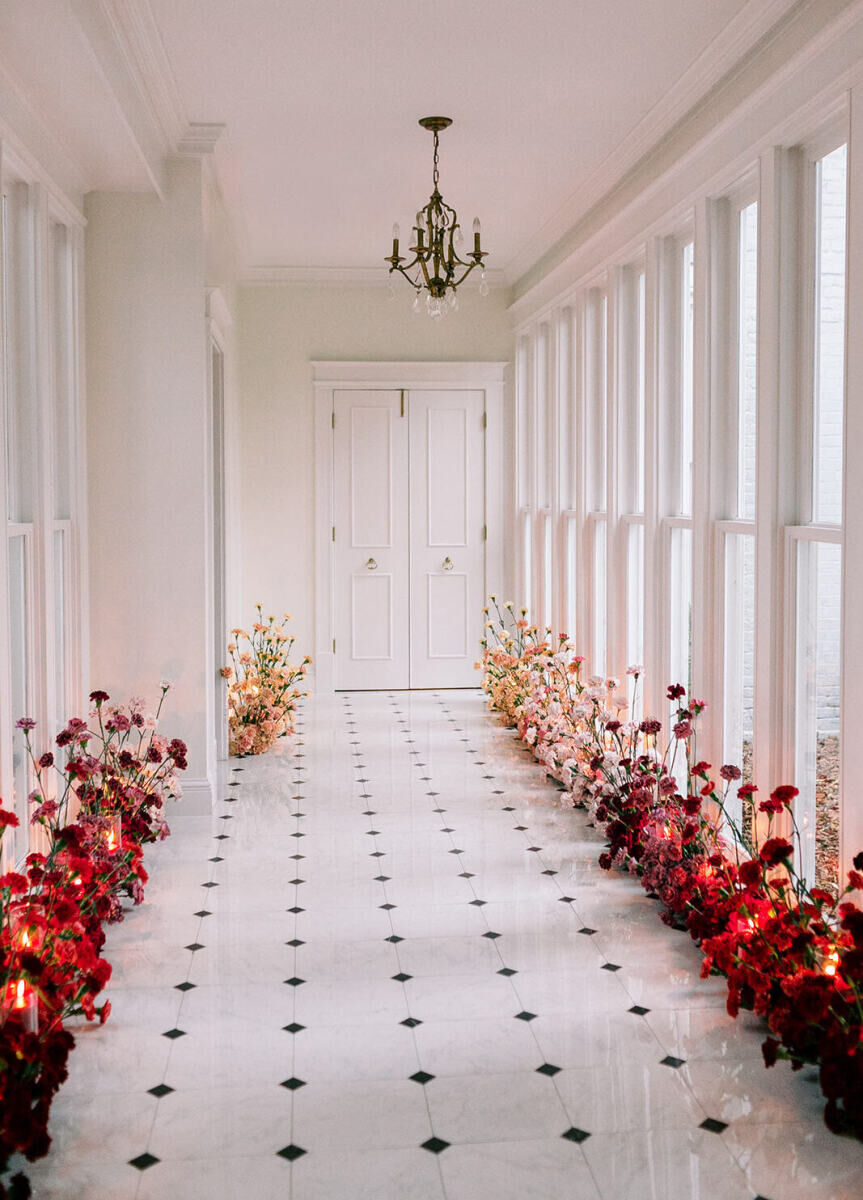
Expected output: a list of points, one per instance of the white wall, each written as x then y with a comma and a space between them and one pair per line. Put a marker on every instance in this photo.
147, 443
283, 328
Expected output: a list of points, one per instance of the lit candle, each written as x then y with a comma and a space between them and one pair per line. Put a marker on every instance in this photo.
831, 962
476, 233
26, 1004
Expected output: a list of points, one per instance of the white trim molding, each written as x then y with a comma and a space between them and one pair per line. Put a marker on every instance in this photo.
340, 276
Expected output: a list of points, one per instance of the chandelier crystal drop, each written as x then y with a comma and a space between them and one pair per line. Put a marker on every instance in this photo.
437, 267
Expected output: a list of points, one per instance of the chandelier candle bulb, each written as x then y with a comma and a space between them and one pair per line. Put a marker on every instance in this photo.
477, 229
396, 232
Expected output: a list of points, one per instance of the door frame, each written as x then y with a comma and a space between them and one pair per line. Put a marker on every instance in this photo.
329, 377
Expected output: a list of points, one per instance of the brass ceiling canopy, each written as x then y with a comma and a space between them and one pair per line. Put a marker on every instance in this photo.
437, 237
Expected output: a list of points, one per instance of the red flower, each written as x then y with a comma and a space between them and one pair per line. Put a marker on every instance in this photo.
750, 873
7, 819
776, 850
675, 691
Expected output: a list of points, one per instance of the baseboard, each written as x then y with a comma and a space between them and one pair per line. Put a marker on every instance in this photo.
197, 798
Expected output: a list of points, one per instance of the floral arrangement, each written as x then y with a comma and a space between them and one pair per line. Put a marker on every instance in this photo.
99, 798
262, 685
791, 953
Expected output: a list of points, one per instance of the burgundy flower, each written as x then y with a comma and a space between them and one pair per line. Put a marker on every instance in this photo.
776, 850
675, 691
650, 725
750, 873
47, 759
683, 730
730, 773
25, 723
858, 861
98, 698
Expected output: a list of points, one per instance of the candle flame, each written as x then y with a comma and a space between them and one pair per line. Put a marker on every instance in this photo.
19, 993
832, 963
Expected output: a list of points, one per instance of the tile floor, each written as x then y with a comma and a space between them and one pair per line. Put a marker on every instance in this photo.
389, 967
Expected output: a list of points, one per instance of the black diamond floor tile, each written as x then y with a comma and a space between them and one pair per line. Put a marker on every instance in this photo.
525, 1015
296, 909
382, 878
566, 899
293, 1083
387, 906
202, 912
435, 1145
294, 981
548, 872
411, 1022
291, 1152
477, 903
143, 1161
548, 1069
394, 938
507, 971
491, 934
216, 858
610, 967
587, 931
713, 1126
466, 874
222, 837
184, 987
575, 1135
160, 1090
671, 1061
421, 1077
293, 1027
295, 942
174, 1033
193, 946
639, 1010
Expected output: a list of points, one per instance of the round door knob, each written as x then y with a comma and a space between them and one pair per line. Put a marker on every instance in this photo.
371, 565
447, 563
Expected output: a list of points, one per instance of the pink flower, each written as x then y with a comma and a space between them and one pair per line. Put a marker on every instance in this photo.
683, 730
730, 773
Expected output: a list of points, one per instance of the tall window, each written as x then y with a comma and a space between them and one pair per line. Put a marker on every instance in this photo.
681, 436
817, 545
737, 532
596, 466
631, 435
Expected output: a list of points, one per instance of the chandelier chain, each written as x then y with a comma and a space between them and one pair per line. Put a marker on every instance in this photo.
435, 172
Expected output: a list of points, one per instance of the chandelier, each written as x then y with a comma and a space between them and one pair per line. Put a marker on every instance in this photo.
437, 238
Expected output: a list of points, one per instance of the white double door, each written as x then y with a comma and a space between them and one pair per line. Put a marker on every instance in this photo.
409, 488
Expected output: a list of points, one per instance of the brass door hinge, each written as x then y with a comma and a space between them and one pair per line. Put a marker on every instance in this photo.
334, 418
334, 645
402, 405
485, 420
485, 533
334, 533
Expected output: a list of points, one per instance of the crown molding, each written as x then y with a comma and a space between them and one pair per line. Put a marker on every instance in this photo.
30, 148
326, 372
199, 138
336, 276
725, 52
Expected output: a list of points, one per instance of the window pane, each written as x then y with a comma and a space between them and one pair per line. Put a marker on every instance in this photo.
526, 560
599, 614
829, 389
547, 571
639, 391
687, 339
19, 646
60, 715
739, 665
819, 578
681, 607
63, 370
747, 333
596, 334
635, 606
571, 579
20, 403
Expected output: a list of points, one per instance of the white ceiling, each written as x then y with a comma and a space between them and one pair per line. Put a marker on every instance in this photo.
320, 99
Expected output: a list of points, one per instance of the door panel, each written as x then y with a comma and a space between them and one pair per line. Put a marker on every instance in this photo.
447, 476
370, 448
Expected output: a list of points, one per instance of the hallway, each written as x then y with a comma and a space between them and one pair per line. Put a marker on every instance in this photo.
390, 967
